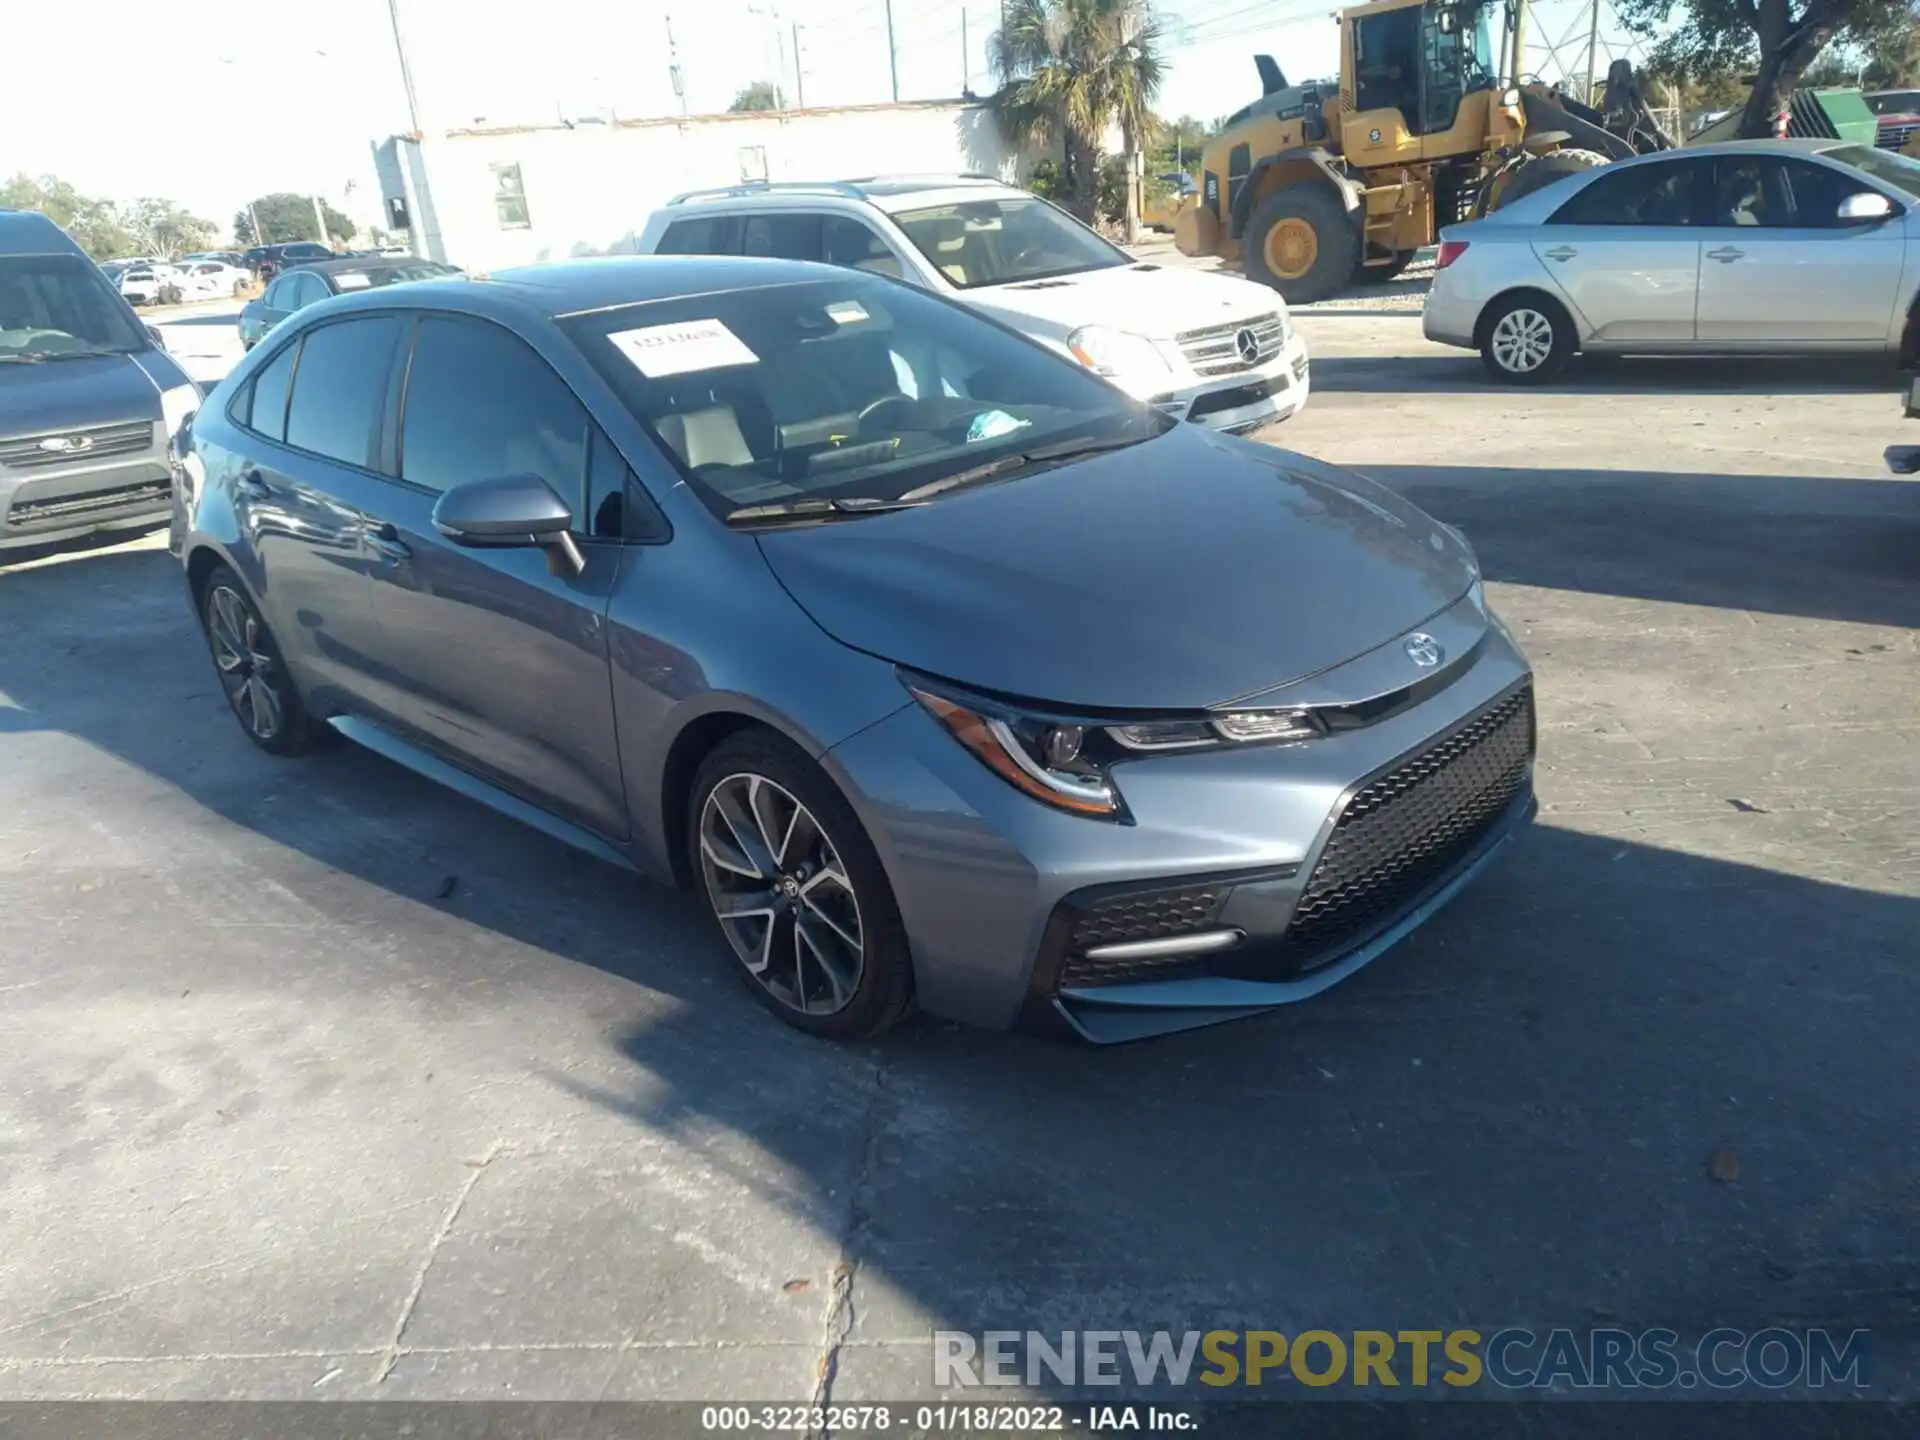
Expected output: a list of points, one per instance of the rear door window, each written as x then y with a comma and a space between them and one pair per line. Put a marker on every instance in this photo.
701, 235
267, 396
340, 388
1664, 194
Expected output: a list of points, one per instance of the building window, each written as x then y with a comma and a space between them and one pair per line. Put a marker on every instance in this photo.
510, 198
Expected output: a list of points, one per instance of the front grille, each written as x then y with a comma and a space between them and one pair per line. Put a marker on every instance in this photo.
70, 447
1139, 915
1894, 134
1403, 833
29, 511
1215, 349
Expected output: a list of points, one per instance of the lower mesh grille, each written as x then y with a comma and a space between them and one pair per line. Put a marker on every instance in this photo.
1139, 915
1401, 834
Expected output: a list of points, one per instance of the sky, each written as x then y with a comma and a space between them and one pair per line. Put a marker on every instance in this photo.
291, 97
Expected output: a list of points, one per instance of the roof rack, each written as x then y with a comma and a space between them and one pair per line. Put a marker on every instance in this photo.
830, 187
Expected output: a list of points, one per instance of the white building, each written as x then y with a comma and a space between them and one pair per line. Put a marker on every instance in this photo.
486, 197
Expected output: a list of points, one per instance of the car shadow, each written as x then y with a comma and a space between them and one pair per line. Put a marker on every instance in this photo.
1506, 1120
1826, 548
1609, 374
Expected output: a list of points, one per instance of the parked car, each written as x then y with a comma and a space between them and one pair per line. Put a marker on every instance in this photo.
943, 670
1772, 245
228, 257
204, 280
1213, 349
146, 282
267, 261
309, 284
88, 399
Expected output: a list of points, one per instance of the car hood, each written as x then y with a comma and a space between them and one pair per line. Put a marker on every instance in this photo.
1144, 299
69, 394
1184, 572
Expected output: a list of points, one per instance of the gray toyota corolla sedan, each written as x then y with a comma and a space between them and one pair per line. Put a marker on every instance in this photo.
944, 672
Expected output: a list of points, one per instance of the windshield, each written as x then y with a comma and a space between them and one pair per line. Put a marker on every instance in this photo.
842, 390
60, 304
999, 242
1882, 165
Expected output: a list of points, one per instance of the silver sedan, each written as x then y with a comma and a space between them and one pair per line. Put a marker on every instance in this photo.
1768, 245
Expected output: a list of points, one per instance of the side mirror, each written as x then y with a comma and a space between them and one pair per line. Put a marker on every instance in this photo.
1865, 208
510, 511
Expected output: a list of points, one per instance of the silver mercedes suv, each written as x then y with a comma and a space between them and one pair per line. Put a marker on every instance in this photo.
89, 401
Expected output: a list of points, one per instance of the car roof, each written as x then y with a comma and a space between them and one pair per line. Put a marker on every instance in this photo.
28, 232
359, 264
884, 192
570, 286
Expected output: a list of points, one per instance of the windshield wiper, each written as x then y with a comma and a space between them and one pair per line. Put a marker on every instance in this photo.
86, 354
25, 357
1007, 464
817, 508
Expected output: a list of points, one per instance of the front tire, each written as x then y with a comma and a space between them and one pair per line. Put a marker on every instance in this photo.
797, 889
252, 672
1301, 242
1526, 340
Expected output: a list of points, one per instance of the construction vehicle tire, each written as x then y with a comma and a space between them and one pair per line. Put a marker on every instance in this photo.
1542, 170
1301, 241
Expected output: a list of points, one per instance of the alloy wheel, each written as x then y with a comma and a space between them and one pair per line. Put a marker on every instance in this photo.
781, 894
1522, 340
248, 671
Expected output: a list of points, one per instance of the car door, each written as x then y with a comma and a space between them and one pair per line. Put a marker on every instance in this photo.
314, 411
1779, 266
490, 659
1624, 252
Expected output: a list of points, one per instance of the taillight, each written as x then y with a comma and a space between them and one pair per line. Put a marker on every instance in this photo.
1450, 251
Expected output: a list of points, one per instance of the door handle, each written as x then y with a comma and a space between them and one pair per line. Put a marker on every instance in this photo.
1562, 253
1726, 254
253, 486
384, 540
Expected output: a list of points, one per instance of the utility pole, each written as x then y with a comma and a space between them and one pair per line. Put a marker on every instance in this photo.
780, 39
320, 220
799, 81
673, 69
1519, 40
253, 221
406, 71
893, 55
966, 68
1593, 40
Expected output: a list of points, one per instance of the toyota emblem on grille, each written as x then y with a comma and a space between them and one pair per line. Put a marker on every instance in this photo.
67, 444
1423, 649
1248, 345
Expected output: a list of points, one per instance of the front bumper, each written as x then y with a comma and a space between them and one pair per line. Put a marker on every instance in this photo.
990, 883
1243, 401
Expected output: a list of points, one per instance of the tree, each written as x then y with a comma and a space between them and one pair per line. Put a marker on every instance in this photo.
760, 95
1072, 69
95, 224
285, 216
1775, 41
161, 227
1178, 143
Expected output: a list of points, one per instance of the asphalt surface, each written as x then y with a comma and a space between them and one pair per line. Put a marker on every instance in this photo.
319, 1081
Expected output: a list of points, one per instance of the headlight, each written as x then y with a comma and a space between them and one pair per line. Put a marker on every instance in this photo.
1063, 762
1031, 753
1115, 352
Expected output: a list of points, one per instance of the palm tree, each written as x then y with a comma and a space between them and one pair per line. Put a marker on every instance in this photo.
1072, 69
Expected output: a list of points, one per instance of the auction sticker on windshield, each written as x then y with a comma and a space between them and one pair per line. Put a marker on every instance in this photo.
682, 348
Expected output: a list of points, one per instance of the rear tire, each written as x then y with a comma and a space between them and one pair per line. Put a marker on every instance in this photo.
1301, 242
797, 890
1543, 170
1526, 339
253, 673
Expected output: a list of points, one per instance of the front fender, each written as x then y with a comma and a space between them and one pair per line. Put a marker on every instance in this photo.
1313, 155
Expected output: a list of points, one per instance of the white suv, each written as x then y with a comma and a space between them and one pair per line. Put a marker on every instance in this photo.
1212, 349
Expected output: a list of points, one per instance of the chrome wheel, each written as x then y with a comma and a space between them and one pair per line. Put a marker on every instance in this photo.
248, 672
1522, 340
781, 894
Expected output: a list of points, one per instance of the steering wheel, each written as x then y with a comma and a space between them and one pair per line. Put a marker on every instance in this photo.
877, 406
